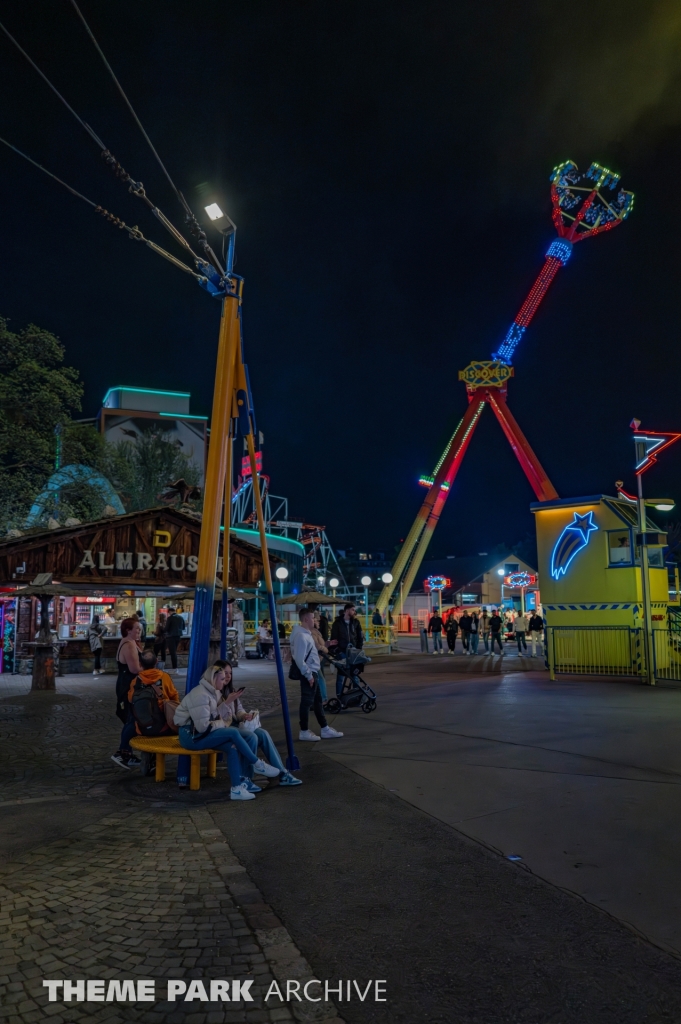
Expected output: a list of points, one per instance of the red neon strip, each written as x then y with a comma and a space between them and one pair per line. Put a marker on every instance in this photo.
538, 290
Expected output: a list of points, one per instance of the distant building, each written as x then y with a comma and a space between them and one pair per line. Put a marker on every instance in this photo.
474, 581
128, 412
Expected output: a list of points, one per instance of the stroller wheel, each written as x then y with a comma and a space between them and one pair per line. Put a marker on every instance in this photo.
369, 706
333, 706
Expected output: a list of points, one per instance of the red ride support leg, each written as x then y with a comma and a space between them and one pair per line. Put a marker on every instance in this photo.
539, 481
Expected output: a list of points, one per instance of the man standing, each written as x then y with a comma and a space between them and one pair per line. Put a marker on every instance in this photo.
139, 614
451, 629
324, 625
175, 627
520, 629
465, 623
347, 631
435, 627
483, 628
306, 657
536, 632
495, 624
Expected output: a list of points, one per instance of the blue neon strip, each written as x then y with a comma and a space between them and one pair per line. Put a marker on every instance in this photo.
561, 248
504, 353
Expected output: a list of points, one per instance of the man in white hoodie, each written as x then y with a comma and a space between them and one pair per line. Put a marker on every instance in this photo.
306, 657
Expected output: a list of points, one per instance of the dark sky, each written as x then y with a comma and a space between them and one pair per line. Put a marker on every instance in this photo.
387, 165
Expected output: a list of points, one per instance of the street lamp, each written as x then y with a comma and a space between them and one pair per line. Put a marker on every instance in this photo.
366, 583
333, 583
281, 574
386, 578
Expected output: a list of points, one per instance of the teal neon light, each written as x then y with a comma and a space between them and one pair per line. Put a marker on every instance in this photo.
270, 536
572, 540
182, 416
147, 391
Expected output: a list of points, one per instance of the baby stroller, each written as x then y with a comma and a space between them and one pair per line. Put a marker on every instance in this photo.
355, 693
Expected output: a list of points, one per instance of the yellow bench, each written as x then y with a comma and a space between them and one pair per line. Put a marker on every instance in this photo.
162, 745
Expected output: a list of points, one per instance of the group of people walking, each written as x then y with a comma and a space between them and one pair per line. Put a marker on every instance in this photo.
489, 628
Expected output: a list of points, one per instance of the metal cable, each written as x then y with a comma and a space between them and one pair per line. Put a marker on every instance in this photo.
44, 77
191, 220
133, 232
135, 187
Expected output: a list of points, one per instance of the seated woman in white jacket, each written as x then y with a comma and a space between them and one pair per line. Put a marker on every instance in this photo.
233, 711
202, 728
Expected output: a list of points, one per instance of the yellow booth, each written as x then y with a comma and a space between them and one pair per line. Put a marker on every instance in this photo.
590, 567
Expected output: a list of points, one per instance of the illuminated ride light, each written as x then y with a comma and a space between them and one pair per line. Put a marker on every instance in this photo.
426, 481
520, 579
572, 540
579, 210
437, 583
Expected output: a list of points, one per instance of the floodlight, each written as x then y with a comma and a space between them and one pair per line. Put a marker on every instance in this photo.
214, 211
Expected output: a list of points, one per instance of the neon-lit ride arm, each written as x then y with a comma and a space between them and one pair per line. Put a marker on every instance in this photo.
557, 255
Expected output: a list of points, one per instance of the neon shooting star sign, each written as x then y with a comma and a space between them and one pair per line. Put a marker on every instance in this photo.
572, 540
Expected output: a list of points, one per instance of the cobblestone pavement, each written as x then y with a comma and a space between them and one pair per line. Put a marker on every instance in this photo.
148, 889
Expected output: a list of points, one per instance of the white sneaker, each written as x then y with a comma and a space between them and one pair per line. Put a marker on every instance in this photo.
263, 768
329, 733
240, 793
95, 672
308, 735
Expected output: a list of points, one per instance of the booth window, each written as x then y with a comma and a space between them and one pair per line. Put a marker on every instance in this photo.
619, 547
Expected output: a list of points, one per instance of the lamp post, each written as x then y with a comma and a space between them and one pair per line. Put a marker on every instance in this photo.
648, 444
333, 583
386, 578
281, 574
366, 583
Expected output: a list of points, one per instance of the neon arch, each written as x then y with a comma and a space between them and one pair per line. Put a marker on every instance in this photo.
74, 474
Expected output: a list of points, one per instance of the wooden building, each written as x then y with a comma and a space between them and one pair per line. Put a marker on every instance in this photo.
121, 558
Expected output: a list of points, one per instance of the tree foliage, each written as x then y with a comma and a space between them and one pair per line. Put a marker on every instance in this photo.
36, 394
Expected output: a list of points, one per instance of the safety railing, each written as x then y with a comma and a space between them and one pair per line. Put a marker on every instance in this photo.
667, 653
595, 650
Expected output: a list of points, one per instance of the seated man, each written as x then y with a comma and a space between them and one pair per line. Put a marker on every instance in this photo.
145, 719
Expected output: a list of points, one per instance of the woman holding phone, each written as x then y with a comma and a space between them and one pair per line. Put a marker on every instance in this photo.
232, 710
203, 726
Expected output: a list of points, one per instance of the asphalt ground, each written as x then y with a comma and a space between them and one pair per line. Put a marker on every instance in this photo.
369, 883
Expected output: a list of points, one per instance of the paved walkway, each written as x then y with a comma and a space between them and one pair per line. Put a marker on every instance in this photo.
106, 875
388, 863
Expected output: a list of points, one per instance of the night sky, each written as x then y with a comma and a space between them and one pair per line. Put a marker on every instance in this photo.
387, 166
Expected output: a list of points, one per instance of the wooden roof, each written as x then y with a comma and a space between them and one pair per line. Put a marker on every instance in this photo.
157, 547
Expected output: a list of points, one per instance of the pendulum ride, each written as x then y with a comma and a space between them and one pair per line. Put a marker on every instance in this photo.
580, 210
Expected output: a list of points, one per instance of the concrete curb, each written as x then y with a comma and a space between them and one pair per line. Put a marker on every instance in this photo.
285, 959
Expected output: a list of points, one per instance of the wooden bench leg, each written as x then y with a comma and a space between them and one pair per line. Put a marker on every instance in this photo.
160, 767
195, 772
212, 765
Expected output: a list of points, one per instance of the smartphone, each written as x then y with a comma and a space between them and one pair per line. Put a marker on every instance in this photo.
240, 690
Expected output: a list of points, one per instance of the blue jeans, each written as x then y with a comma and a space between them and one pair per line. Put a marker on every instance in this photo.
520, 637
495, 636
129, 730
261, 738
437, 641
229, 741
474, 642
321, 683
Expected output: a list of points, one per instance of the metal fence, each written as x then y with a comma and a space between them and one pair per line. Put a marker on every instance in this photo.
667, 653
612, 651
595, 650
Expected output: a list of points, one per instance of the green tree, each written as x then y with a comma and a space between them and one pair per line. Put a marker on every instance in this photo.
141, 469
37, 392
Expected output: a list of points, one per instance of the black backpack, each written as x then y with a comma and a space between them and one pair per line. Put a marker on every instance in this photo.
146, 711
